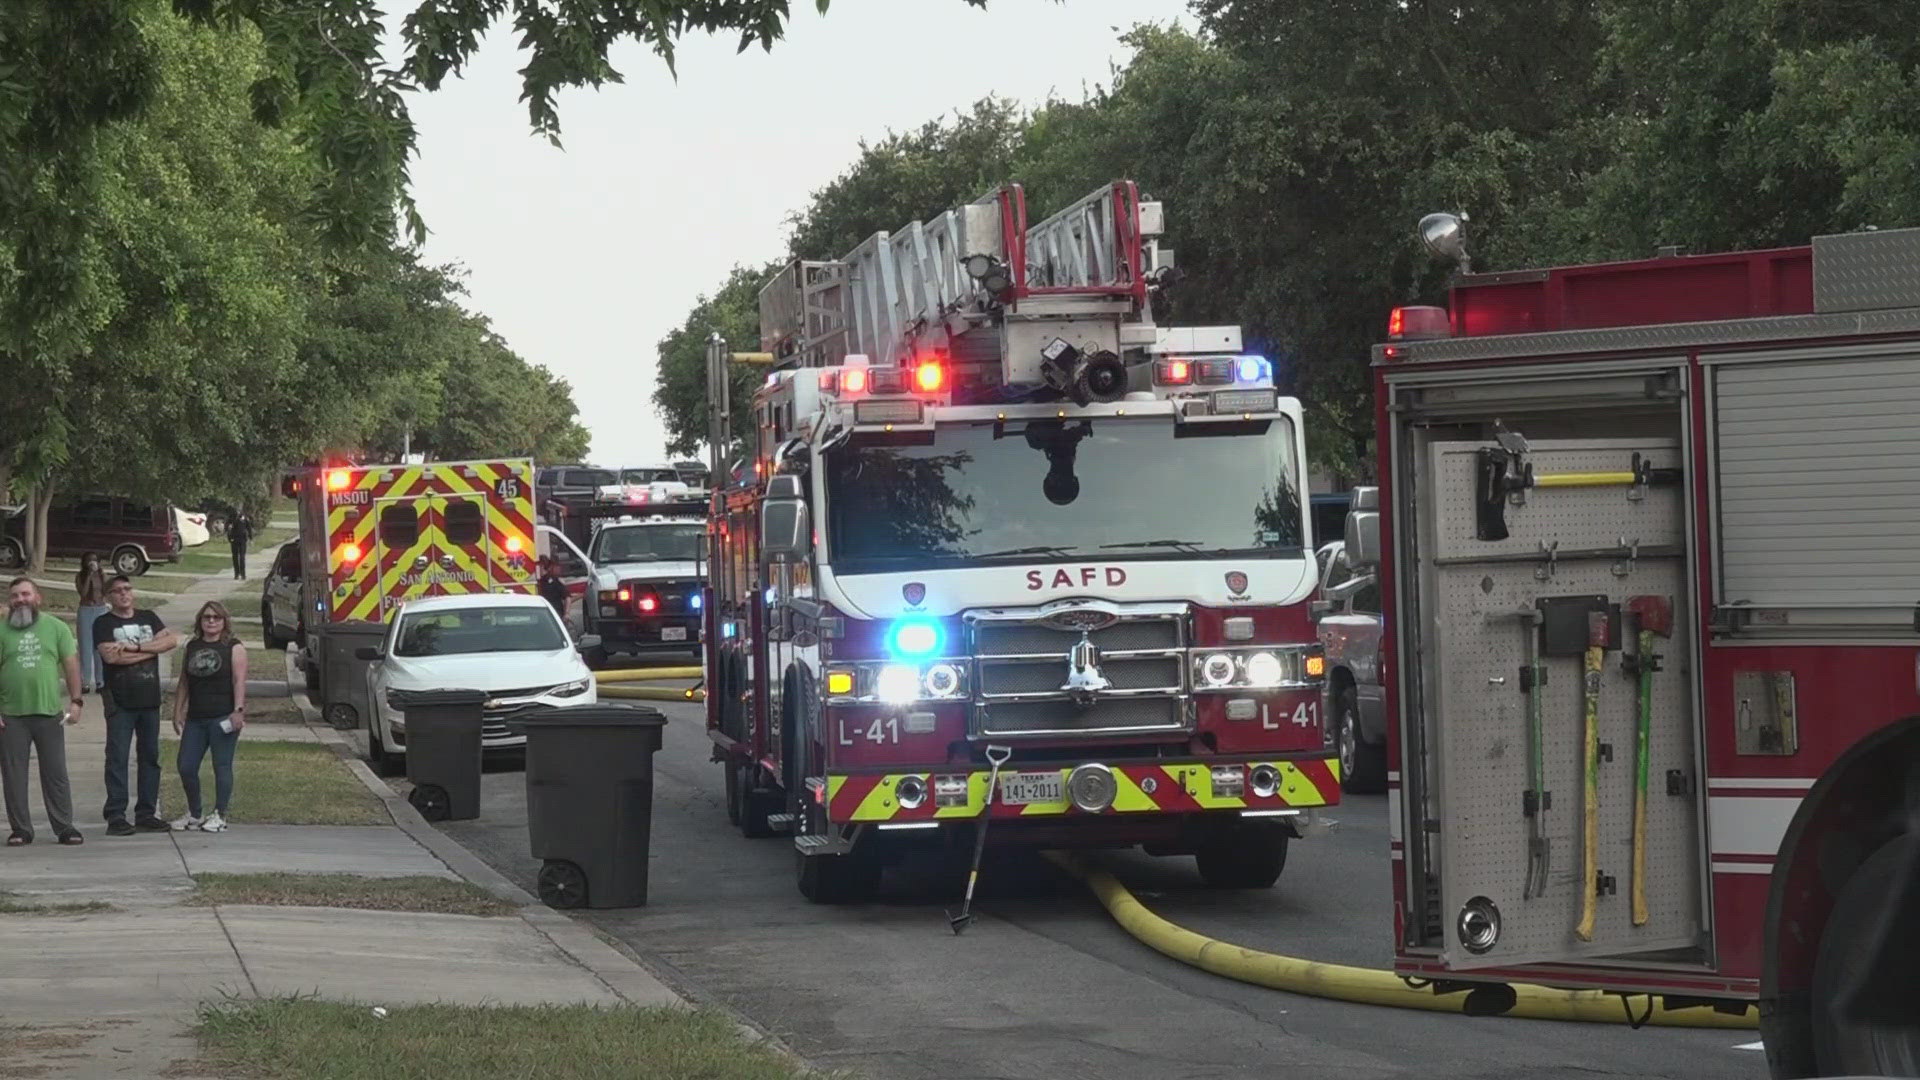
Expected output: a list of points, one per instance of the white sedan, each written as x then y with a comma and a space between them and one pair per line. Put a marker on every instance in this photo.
511, 647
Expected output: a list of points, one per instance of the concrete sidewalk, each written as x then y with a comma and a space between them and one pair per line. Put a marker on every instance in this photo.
114, 992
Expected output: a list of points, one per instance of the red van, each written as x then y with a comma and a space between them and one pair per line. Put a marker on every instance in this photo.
129, 535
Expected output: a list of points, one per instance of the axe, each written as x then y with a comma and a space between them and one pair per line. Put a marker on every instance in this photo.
1653, 617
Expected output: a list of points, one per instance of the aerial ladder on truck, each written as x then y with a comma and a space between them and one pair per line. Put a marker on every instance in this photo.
864, 685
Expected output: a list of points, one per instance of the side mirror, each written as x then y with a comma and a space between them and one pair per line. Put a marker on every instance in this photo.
1319, 609
786, 526
369, 653
1366, 498
587, 641
1363, 539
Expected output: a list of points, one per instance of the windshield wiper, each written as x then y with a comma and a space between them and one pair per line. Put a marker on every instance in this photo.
1039, 549
1185, 545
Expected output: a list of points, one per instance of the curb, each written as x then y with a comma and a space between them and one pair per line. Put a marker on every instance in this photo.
620, 973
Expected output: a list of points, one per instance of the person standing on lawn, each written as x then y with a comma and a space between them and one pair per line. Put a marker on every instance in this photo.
37, 653
130, 641
91, 584
239, 531
209, 703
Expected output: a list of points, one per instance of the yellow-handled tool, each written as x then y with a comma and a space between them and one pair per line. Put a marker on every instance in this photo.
1590, 832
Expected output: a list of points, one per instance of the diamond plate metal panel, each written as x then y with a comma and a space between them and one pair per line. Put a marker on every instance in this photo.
1479, 732
1866, 271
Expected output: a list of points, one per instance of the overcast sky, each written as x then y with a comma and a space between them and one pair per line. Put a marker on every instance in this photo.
584, 258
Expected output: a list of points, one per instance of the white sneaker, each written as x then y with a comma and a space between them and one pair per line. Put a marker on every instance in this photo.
182, 824
214, 823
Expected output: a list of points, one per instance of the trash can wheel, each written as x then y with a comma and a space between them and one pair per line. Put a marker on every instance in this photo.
562, 884
432, 801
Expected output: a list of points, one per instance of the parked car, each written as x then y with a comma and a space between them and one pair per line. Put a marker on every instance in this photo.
1350, 631
513, 647
192, 526
131, 535
282, 603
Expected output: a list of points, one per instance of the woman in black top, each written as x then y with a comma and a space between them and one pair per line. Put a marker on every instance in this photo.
208, 703
91, 584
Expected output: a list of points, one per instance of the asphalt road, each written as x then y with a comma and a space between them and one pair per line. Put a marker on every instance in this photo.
1045, 985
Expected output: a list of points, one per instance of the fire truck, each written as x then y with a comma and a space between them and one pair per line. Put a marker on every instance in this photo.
375, 536
1007, 552
1645, 536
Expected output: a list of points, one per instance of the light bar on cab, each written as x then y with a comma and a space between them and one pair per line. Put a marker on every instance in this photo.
1245, 401
887, 411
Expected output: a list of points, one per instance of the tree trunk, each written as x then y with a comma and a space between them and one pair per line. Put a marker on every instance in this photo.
39, 506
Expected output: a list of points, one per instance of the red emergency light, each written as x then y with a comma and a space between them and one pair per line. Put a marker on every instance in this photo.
1409, 323
929, 377
648, 603
1173, 373
350, 552
853, 381
338, 479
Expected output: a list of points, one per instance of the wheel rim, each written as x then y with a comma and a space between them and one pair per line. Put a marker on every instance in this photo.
10, 557
1348, 751
127, 562
562, 885
432, 801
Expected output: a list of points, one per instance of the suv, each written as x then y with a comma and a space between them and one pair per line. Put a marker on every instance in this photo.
130, 536
645, 592
1356, 687
572, 486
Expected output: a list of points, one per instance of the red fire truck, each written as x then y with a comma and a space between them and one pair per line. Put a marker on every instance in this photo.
1646, 538
1008, 552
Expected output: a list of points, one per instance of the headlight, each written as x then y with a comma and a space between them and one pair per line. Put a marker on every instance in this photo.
897, 684
1263, 669
1217, 670
942, 681
572, 689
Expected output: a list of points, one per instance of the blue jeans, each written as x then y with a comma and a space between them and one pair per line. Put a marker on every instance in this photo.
123, 725
196, 739
92, 671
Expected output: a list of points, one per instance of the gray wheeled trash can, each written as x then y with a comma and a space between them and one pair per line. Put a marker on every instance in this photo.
443, 750
590, 801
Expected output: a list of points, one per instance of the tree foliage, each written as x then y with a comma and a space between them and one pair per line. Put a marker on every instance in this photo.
680, 388
1295, 142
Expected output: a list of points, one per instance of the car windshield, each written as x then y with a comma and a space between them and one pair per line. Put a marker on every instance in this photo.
648, 476
463, 631
1064, 489
647, 543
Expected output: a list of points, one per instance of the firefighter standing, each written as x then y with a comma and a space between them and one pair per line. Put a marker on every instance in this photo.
552, 589
239, 531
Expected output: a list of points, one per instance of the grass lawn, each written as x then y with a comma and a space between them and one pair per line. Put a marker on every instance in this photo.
280, 783
445, 896
12, 904
306, 1038
273, 710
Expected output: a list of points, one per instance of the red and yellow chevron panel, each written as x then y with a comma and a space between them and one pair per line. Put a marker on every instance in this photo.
1142, 789
370, 577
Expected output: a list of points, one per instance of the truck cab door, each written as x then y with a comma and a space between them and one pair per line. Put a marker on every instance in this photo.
576, 573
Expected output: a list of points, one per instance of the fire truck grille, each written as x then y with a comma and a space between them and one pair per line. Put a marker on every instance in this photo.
1021, 668
1026, 639
1046, 676
1063, 717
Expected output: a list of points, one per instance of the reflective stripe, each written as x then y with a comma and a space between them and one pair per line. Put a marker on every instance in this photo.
1181, 788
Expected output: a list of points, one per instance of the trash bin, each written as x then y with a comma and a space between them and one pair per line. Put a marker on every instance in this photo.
590, 801
443, 750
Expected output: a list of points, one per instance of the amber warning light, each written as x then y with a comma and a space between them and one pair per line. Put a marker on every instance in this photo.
1414, 323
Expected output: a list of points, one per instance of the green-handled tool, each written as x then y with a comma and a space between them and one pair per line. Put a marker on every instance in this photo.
1652, 617
1535, 799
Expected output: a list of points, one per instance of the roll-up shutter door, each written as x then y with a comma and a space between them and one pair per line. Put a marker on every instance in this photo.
1819, 481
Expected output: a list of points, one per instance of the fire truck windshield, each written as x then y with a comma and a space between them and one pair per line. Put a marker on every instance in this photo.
1047, 490
647, 543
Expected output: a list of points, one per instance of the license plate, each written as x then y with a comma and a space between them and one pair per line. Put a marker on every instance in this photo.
673, 633
1021, 788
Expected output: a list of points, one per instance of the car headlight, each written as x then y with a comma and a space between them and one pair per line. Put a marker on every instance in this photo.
572, 689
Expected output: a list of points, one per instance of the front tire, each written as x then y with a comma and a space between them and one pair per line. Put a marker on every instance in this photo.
1245, 856
1846, 1045
384, 763
272, 639
12, 555
838, 879
1363, 765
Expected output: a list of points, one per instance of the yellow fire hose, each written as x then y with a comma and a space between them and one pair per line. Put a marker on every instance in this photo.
1364, 986
648, 674
652, 693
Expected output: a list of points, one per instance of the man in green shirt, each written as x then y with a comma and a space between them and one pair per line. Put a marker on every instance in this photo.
37, 655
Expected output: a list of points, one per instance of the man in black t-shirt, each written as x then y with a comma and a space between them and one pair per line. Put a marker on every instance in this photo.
130, 641
552, 589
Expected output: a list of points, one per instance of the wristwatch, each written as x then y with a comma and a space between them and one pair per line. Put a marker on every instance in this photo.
82, 702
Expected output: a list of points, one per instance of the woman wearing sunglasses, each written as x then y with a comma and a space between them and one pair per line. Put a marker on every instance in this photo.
208, 703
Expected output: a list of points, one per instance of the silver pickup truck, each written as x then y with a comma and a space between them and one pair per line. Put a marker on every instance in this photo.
1350, 626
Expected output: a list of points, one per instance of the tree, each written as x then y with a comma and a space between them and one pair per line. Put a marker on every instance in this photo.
680, 386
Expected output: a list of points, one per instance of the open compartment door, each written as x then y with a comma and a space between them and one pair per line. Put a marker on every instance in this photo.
1512, 563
